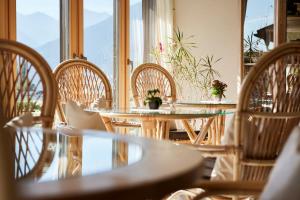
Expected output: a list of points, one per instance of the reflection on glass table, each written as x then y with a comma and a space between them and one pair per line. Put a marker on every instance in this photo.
69, 155
156, 123
74, 164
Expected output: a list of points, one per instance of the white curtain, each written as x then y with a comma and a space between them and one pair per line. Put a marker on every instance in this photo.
164, 26
157, 26
150, 31
136, 33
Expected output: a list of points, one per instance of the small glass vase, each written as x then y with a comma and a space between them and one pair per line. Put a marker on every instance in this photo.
218, 97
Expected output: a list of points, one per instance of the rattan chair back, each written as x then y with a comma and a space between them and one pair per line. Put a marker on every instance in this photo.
267, 111
81, 81
27, 85
151, 76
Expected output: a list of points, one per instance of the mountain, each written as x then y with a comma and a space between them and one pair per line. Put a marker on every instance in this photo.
91, 18
50, 52
98, 42
37, 29
98, 45
40, 27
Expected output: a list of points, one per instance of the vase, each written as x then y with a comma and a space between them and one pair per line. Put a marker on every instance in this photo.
153, 105
218, 97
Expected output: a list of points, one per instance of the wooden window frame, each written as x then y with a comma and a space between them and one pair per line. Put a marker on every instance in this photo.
279, 27
8, 15
76, 42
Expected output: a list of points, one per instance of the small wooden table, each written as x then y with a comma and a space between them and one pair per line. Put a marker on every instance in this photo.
156, 123
96, 165
215, 126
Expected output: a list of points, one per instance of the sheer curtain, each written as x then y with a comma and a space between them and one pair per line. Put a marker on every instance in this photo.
157, 27
149, 22
164, 27
136, 33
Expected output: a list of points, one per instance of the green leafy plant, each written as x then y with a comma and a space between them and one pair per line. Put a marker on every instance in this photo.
208, 71
186, 68
152, 96
251, 50
218, 88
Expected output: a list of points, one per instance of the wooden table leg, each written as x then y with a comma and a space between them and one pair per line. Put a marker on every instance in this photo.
149, 128
108, 124
191, 133
163, 129
201, 136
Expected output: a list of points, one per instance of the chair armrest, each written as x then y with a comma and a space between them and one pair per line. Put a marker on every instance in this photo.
234, 188
216, 150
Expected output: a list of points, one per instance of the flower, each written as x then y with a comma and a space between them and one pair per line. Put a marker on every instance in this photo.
218, 88
160, 47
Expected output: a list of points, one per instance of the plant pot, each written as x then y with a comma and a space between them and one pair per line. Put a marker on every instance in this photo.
153, 105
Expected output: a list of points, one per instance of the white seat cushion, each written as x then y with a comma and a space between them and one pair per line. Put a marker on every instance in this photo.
25, 120
80, 119
223, 169
284, 179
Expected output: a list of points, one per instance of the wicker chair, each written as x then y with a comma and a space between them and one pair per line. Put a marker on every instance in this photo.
267, 111
27, 85
151, 76
81, 81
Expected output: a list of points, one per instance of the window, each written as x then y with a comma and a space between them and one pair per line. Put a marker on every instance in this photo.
258, 30
38, 27
99, 34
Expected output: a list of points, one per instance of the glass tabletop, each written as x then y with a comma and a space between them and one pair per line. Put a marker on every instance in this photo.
212, 102
46, 156
164, 111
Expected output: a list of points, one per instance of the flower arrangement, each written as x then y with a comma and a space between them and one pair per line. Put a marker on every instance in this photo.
218, 88
152, 99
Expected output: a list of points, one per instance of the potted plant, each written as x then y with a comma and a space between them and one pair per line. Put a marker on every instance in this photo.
152, 99
251, 51
187, 69
217, 89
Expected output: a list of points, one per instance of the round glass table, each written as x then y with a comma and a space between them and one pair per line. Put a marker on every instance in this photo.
70, 164
214, 126
156, 123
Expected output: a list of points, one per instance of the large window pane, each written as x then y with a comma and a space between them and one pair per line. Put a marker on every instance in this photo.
99, 35
258, 30
38, 27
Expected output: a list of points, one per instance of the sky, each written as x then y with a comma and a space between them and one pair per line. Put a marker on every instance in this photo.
51, 7
260, 13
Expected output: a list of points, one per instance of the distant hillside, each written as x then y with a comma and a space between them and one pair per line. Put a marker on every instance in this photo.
50, 52
36, 29
91, 18
98, 41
